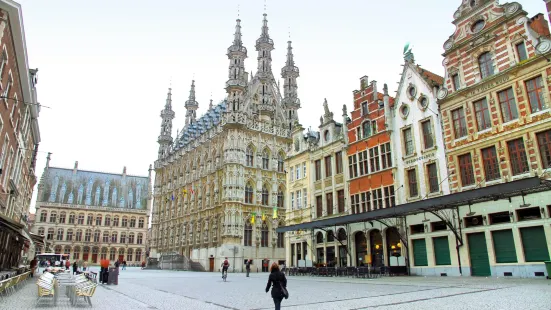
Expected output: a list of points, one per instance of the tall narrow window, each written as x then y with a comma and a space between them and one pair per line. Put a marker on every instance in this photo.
318, 169
340, 201
373, 127
62, 218
364, 108
319, 206
508, 105
544, 143
352, 166
483, 120
428, 139
90, 219
328, 170
265, 160
374, 159
299, 199
250, 156
365, 202
53, 217
377, 198
412, 183
390, 198
297, 171
518, 156
292, 200
432, 172
534, 87
355, 203
521, 51
280, 162
43, 216
304, 169
338, 162
486, 65
50, 235
329, 203
280, 240
459, 124
363, 162
408, 141
491, 164
305, 197
386, 156
59, 234
264, 236
292, 174
248, 235
78, 235
98, 219
466, 169
456, 82
366, 127
280, 198
265, 195
248, 193
69, 236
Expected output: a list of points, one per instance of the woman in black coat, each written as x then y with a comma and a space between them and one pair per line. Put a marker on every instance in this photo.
75, 267
276, 280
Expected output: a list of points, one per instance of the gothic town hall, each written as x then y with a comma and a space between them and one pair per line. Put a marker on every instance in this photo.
219, 184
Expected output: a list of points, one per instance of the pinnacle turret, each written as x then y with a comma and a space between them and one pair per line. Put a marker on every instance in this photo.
167, 115
191, 105
237, 76
264, 46
290, 73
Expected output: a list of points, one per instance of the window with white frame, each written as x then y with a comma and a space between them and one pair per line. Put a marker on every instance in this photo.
304, 169
297, 170
305, 197
363, 162
292, 174
292, 201
352, 167
386, 156
299, 200
7, 166
374, 159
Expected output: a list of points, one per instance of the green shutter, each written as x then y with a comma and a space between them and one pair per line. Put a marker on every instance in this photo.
504, 246
420, 252
442, 251
534, 244
478, 253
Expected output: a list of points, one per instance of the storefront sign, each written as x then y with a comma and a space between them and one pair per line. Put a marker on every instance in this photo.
420, 158
489, 86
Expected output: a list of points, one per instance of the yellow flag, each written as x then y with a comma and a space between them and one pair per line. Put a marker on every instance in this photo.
275, 213
252, 219
263, 217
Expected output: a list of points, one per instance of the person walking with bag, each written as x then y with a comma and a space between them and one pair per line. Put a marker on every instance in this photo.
278, 282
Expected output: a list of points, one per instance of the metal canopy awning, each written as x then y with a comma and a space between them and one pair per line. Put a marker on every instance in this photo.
489, 193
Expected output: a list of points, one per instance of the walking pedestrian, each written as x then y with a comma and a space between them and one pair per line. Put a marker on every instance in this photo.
123, 265
75, 267
34, 262
278, 282
248, 267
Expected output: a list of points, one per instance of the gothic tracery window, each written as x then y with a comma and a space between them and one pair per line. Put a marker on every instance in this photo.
248, 193
250, 156
266, 159
265, 195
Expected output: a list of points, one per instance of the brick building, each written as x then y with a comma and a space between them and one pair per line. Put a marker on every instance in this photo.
19, 136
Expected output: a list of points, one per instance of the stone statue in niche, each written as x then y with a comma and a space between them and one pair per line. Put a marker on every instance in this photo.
62, 192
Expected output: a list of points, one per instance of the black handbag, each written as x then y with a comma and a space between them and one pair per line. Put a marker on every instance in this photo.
284, 291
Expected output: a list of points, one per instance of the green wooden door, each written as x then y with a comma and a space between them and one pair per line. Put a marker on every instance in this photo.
534, 244
420, 252
504, 246
480, 264
441, 251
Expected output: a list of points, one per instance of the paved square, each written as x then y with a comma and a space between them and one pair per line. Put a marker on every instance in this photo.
160, 289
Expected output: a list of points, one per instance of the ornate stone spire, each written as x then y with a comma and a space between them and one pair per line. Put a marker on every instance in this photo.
237, 76
191, 105
264, 46
167, 115
290, 73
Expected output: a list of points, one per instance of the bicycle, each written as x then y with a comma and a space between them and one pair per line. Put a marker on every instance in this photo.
225, 275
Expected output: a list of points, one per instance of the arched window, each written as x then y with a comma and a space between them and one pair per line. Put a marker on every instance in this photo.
53, 217
103, 254
69, 235
133, 222
486, 65
80, 219
330, 236
248, 193
62, 216
114, 237
319, 237
266, 159
265, 195
250, 156
98, 220
138, 255
123, 238
97, 235
59, 234
57, 249
112, 254
124, 222
139, 239
67, 250
78, 235
264, 236
280, 200
71, 218
90, 219
341, 235
129, 255
248, 236
76, 253
280, 161
105, 236
141, 222
88, 235
131, 238
41, 231
115, 221
50, 235
43, 216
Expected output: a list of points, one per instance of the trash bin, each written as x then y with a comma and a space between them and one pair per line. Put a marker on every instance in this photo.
113, 276
548, 268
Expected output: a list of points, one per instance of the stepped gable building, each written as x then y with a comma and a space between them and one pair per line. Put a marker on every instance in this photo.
496, 117
19, 139
228, 165
93, 215
419, 152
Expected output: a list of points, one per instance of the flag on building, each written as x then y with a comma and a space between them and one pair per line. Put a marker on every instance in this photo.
253, 215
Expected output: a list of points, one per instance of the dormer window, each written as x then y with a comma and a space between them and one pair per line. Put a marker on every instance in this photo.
473, 3
326, 135
478, 25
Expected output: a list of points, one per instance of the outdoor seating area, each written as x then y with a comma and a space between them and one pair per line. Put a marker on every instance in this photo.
355, 272
50, 284
10, 285
46, 284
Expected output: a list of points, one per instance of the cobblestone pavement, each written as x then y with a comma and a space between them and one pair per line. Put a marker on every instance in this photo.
159, 289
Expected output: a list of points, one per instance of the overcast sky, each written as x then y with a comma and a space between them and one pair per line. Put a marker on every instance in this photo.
105, 65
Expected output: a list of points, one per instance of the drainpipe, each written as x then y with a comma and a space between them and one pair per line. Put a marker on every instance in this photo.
457, 243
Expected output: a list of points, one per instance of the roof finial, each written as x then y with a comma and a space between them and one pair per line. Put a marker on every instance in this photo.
237, 11
264, 7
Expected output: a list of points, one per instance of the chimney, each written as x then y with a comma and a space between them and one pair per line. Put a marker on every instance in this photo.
548, 5
364, 82
375, 94
539, 24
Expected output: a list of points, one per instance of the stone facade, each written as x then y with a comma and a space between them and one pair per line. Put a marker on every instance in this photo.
93, 215
228, 166
496, 117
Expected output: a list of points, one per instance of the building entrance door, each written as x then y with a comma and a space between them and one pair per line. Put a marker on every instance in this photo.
211, 264
478, 251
